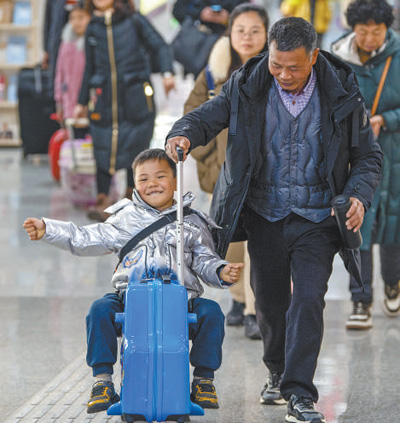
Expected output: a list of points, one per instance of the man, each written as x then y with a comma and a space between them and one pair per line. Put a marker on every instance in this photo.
299, 135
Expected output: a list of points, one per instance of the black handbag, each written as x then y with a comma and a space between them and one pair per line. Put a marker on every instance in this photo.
193, 45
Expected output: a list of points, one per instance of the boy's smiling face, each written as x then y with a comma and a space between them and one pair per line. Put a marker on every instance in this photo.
155, 183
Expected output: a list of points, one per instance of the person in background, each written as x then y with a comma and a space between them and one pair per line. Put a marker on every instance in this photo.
247, 37
116, 89
317, 12
367, 49
212, 13
55, 17
153, 198
71, 62
290, 112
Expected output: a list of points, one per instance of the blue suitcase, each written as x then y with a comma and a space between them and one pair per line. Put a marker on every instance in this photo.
155, 382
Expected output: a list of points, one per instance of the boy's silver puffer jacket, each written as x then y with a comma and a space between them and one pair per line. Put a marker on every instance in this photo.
155, 255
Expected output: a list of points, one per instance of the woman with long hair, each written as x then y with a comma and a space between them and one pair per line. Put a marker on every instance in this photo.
116, 90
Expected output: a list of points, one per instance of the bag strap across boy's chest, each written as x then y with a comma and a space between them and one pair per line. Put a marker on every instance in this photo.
155, 226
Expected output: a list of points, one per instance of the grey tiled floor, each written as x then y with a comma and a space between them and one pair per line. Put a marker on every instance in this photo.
45, 295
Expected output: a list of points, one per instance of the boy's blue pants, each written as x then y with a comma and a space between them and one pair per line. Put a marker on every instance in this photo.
207, 335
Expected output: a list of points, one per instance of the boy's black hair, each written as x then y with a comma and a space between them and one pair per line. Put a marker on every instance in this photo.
153, 154
364, 11
292, 33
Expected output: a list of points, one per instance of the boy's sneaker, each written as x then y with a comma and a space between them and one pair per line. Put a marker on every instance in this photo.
203, 393
391, 301
360, 318
301, 410
102, 396
235, 316
271, 393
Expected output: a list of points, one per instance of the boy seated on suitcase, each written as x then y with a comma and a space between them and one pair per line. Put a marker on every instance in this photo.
153, 197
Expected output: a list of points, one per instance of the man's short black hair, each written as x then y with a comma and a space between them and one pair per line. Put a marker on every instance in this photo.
153, 154
292, 33
365, 11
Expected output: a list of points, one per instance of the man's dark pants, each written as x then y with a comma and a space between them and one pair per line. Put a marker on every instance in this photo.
291, 325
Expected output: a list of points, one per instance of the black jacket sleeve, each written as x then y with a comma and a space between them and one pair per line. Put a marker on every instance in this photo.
154, 44
365, 161
46, 26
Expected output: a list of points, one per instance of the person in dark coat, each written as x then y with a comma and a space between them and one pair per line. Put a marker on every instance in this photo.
295, 142
117, 89
55, 17
213, 13
366, 49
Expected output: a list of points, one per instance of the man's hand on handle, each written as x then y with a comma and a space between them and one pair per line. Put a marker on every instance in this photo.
171, 145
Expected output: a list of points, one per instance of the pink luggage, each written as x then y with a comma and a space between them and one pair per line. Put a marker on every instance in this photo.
78, 172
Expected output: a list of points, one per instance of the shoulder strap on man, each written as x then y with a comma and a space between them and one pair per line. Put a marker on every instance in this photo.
155, 226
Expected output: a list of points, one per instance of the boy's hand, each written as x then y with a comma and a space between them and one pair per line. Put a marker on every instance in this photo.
35, 228
231, 272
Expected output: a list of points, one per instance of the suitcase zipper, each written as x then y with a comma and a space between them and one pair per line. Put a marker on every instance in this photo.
114, 95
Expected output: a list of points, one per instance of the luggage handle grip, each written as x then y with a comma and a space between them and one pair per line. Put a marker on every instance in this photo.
70, 124
179, 151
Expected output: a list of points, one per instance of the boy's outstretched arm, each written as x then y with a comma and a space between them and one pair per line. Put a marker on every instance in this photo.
35, 228
231, 272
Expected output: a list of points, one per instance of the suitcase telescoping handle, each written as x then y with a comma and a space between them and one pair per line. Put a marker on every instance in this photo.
179, 215
70, 124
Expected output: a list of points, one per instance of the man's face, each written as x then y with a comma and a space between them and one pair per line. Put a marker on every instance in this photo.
369, 37
291, 69
155, 183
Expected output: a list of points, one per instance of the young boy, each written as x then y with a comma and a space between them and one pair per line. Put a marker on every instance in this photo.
155, 183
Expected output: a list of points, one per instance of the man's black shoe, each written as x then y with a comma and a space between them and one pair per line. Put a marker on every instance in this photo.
271, 394
235, 316
102, 396
301, 410
251, 329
